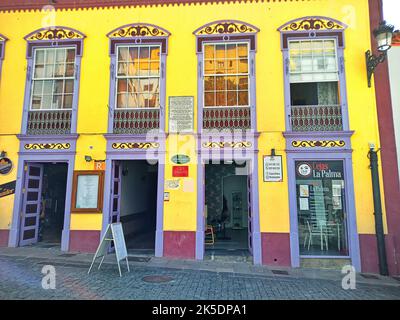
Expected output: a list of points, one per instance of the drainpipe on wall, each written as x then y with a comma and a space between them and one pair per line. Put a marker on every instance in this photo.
380, 236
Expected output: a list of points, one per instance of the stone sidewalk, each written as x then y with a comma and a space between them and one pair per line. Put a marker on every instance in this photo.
51, 254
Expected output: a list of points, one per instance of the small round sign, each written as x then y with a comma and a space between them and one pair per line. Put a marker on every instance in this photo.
180, 159
5, 165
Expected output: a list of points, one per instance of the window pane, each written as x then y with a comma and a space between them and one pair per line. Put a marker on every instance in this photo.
70, 70
69, 86
133, 54
47, 102
122, 86
242, 50
133, 69
209, 52
209, 83
243, 66
144, 53
220, 51
209, 66
231, 66
155, 53
36, 101
220, 67
321, 205
132, 100
57, 102
221, 98
209, 99
39, 56
122, 69
61, 55
59, 70
49, 71
123, 54
243, 98
39, 71
37, 87
243, 83
220, 83
50, 53
141, 101
232, 83
143, 85
70, 56
58, 87
153, 100
154, 68
68, 101
144, 68
232, 98
231, 51
48, 87
121, 100
133, 85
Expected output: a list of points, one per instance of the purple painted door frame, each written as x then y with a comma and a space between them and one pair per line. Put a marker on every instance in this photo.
45, 157
135, 155
27, 202
346, 157
252, 158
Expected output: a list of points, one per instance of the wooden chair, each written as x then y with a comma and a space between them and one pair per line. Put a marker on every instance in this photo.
209, 235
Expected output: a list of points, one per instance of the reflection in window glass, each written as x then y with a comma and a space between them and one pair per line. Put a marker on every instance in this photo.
321, 208
314, 74
138, 77
53, 79
226, 75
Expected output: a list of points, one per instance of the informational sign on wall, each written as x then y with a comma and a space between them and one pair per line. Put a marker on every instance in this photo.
180, 171
7, 189
273, 169
181, 114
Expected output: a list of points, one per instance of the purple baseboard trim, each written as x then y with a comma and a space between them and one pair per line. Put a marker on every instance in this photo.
276, 249
84, 240
180, 244
4, 235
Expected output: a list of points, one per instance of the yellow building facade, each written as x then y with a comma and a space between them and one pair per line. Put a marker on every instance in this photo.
201, 127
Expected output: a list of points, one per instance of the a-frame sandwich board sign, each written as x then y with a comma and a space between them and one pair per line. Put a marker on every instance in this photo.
115, 233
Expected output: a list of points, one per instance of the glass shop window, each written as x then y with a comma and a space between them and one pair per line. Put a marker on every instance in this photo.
321, 208
314, 76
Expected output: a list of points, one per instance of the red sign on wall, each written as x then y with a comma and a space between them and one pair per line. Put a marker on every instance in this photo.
180, 171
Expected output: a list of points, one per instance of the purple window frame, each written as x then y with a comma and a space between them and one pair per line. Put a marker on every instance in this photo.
3, 40
251, 39
339, 37
31, 46
162, 41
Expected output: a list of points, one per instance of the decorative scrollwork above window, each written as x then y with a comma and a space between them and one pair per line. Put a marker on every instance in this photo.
319, 144
312, 23
55, 33
225, 27
138, 30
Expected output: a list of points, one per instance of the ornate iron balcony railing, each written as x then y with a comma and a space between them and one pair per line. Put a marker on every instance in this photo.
137, 121
316, 118
49, 122
221, 118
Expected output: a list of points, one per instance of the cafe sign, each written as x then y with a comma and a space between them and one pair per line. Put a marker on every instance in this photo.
7, 189
5, 165
180, 159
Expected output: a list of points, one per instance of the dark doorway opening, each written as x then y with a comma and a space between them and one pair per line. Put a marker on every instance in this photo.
138, 205
51, 218
227, 208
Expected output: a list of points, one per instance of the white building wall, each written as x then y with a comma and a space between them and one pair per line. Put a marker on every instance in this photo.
394, 74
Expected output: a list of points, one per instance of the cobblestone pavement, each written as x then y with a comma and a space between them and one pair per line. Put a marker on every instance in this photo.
21, 278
